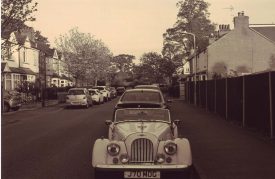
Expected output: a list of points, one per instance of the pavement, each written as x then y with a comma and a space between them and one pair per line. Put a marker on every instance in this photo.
37, 105
222, 149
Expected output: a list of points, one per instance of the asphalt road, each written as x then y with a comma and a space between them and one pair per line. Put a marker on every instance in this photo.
52, 142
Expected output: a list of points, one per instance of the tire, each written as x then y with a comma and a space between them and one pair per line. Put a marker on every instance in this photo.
87, 106
6, 107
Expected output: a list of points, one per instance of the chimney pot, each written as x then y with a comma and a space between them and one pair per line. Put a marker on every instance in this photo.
241, 21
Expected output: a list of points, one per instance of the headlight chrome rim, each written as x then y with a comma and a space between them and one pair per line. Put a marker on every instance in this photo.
170, 148
113, 149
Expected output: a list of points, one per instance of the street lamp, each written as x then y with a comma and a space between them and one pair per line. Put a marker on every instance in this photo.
195, 52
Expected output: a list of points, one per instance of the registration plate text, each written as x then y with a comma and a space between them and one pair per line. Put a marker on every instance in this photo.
142, 174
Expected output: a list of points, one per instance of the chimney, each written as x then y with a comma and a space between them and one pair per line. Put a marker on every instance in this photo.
223, 29
241, 21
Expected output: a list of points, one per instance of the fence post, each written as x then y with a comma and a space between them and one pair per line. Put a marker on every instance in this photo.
226, 99
270, 104
206, 102
199, 100
244, 101
215, 96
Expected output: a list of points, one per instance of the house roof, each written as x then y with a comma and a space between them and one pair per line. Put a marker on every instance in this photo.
45, 48
22, 70
3, 66
267, 31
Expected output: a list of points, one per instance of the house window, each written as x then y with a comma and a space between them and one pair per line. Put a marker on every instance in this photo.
8, 81
62, 81
35, 58
24, 55
16, 80
30, 78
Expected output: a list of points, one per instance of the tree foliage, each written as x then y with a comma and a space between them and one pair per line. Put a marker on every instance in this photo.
153, 68
193, 17
123, 62
14, 13
88, 58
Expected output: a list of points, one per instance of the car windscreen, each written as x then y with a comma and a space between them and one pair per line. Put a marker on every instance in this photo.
76, 92
142, 115
146, 96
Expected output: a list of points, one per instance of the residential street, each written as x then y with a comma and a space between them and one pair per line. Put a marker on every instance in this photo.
52, 142
57, 143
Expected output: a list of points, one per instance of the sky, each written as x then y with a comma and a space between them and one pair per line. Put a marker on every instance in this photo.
135, 26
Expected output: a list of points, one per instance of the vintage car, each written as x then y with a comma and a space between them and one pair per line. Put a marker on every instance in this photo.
142, 143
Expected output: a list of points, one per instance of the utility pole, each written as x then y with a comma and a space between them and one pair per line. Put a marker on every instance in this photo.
43, 69
195, 71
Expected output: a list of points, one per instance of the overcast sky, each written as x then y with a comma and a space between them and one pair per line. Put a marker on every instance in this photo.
134, 26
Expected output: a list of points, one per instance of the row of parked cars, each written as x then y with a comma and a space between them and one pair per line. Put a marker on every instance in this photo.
143, 140
89, 96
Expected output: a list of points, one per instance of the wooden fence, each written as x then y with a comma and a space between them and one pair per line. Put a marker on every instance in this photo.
247, 99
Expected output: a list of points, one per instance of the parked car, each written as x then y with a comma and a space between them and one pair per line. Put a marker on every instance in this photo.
12, 101
97, 97
142, 98
113, 92
105, 92
142, 143
120, 90
79, 97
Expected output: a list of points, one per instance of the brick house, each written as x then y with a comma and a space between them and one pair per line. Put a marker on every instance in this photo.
244, 50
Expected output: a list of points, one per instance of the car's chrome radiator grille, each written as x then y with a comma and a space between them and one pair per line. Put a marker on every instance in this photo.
142, 151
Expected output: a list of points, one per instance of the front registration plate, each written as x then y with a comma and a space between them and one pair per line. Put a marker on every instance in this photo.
142, 174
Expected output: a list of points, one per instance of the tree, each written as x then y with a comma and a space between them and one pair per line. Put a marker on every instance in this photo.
124, 62
88, 59
14, 13
193, 17
154, 68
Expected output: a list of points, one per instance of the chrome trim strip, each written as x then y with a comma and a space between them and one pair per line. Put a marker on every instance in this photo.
143, 166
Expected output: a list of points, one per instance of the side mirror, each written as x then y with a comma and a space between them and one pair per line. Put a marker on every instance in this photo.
178, 123
108, 122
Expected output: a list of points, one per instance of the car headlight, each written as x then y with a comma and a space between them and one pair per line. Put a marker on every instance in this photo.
113, 149
170, 148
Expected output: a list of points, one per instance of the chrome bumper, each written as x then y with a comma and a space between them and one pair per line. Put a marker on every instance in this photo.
143, 166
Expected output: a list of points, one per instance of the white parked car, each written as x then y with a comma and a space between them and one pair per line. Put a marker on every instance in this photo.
142, 143
96, 95
104, 91
78, 97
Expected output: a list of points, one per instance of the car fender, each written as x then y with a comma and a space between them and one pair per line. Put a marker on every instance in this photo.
183, 155
100, 155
